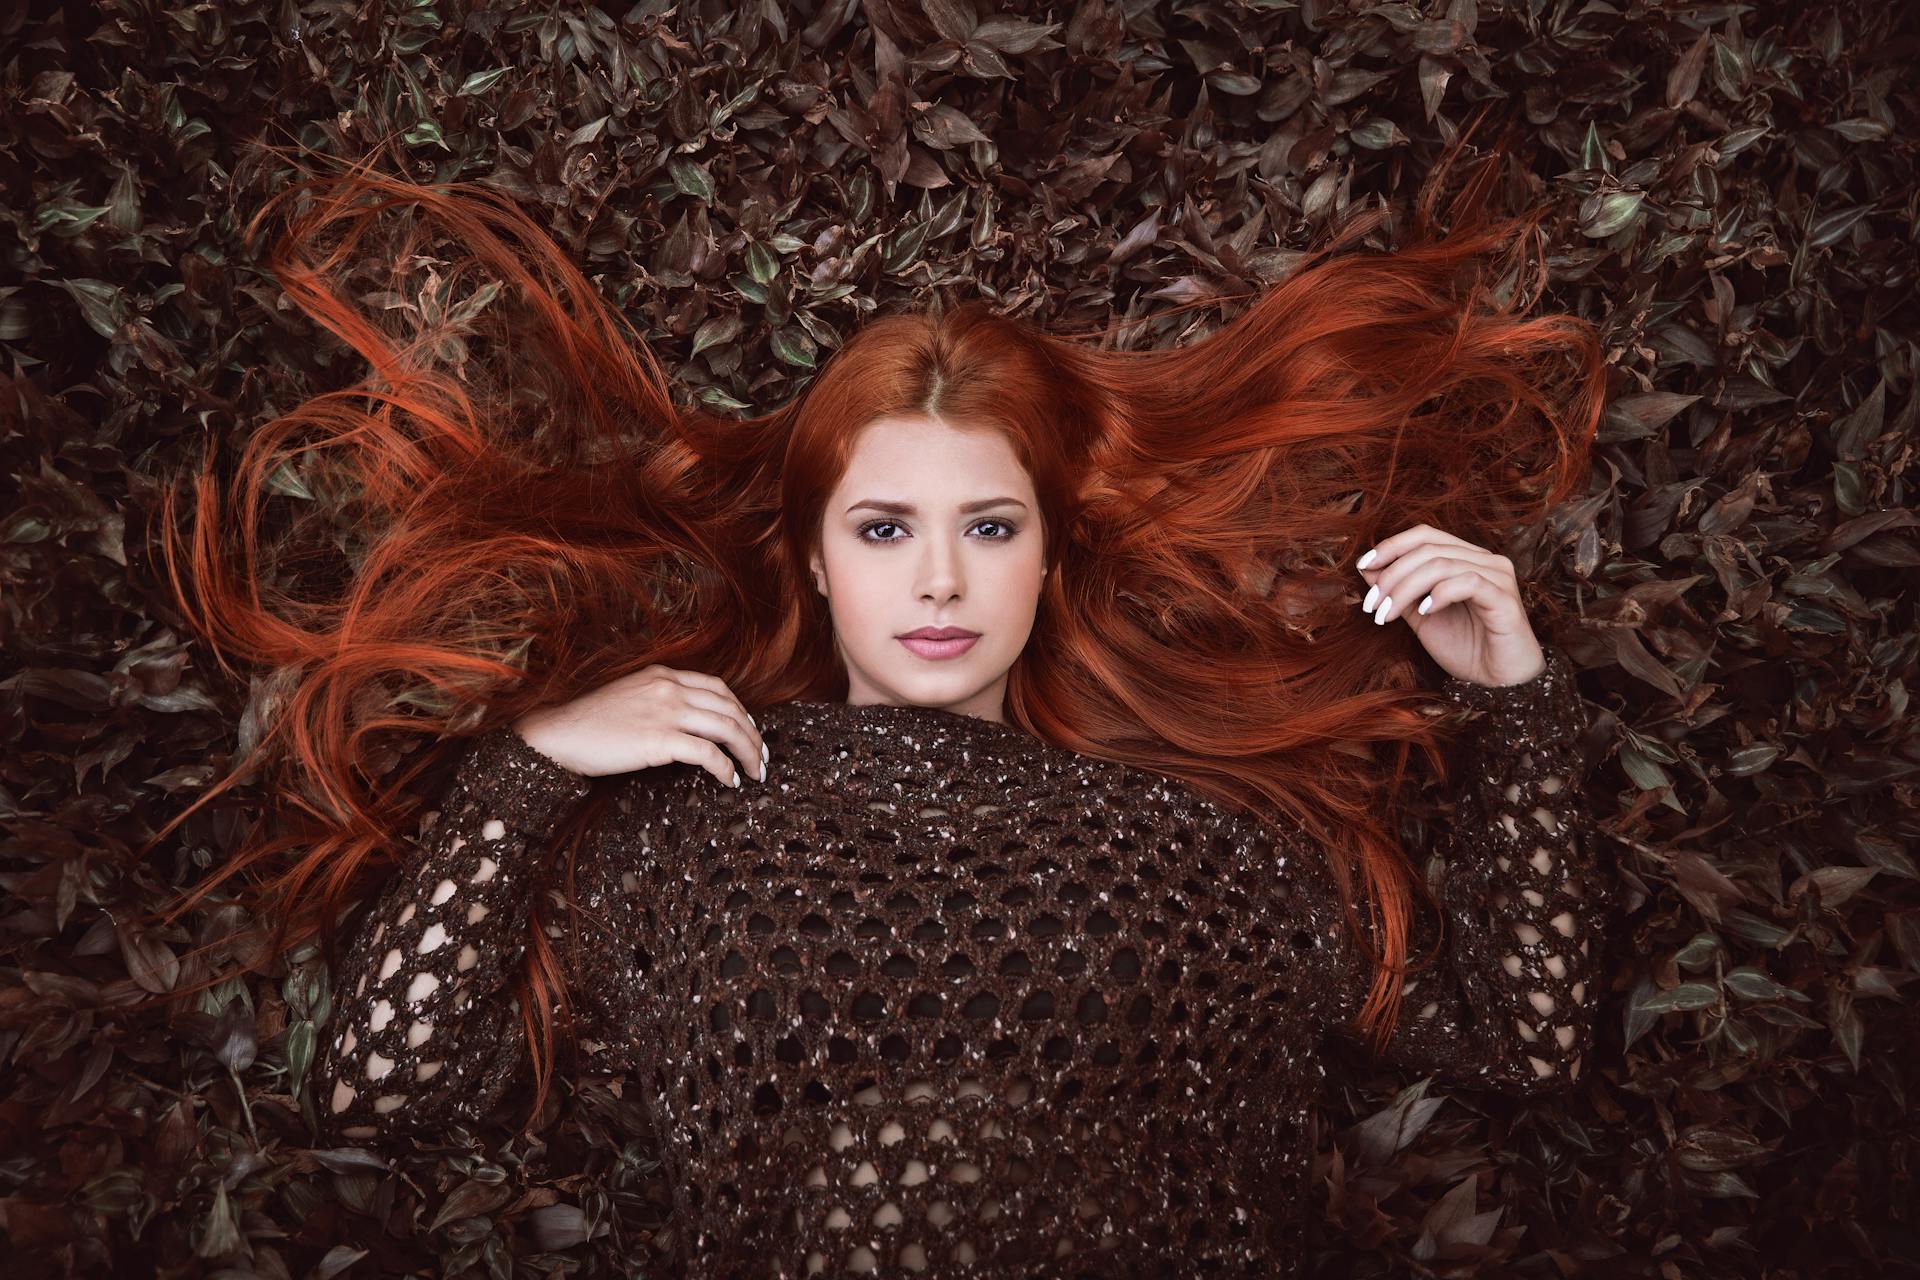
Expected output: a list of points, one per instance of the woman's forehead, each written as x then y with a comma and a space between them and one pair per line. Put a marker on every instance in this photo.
930, 453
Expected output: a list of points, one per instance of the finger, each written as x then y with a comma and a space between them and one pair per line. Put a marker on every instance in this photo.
698, 745
726, 725
1470, 586
1390, 548
696, 679
700, 681
1412, 577
1383, 571
741, 734
1451, 590
1395, 579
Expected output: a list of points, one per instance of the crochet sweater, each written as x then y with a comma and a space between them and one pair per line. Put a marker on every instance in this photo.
939, 998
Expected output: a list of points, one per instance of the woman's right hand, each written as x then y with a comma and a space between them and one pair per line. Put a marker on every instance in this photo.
645, 718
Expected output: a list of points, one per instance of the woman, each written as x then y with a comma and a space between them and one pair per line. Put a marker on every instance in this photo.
1003, 956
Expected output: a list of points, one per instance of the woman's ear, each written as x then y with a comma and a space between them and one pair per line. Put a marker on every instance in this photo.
819, 570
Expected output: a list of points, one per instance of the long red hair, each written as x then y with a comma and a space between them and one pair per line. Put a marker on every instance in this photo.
533, 514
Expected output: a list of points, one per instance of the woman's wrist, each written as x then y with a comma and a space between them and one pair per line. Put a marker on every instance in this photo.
537, 728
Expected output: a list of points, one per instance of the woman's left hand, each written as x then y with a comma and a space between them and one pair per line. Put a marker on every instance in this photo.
1475, 626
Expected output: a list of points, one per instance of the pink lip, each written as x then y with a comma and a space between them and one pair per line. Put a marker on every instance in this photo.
938, 648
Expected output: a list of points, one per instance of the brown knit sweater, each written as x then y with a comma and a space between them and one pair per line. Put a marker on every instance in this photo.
942, 999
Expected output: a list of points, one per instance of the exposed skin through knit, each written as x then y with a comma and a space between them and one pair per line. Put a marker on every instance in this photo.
942, 999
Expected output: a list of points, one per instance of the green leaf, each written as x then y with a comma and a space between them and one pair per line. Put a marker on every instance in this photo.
1016, 35
1886, 855
831, 292
1377, 134
1707, 1147
100, 304
952, 19
1593, 151
860, 196
1697, 953
720, 399
717, 330
737, 103
1738, 140
1641, 771
1837, 884
1635, 417
691, 179
749, 288
301, 1039
124, 201
286, 481
1848, 1030
1616, 210
1237, 83
115, 1191
469, 307
943, 127
587, 132
235, 1042
481, 81
1750, 984
68, 219
1688, 995
1730, 68
338, 1259
793, 345
1752, 759
902, 248
1832, 226
762, 263
220, 1234
1744, 924
1861, 129
1721, 1186
1781, 1015
1637, 1018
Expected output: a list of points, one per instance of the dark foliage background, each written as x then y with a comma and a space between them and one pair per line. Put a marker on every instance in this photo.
1735, 197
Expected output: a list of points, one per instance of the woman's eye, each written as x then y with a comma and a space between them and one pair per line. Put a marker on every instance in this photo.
866, 531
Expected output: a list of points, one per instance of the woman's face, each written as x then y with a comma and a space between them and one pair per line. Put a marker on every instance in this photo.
930, 527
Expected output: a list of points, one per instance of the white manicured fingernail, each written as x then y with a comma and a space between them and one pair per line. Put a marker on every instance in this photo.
1381, 616
736, 777
1373, 593
1426, 604
1366, 559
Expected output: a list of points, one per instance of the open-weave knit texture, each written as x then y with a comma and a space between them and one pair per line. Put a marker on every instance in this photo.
942, 999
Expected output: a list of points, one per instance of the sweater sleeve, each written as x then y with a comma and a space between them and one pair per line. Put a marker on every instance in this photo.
1508, 1001
421, 1030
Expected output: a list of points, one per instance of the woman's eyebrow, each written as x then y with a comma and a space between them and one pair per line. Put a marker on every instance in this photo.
908, 509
